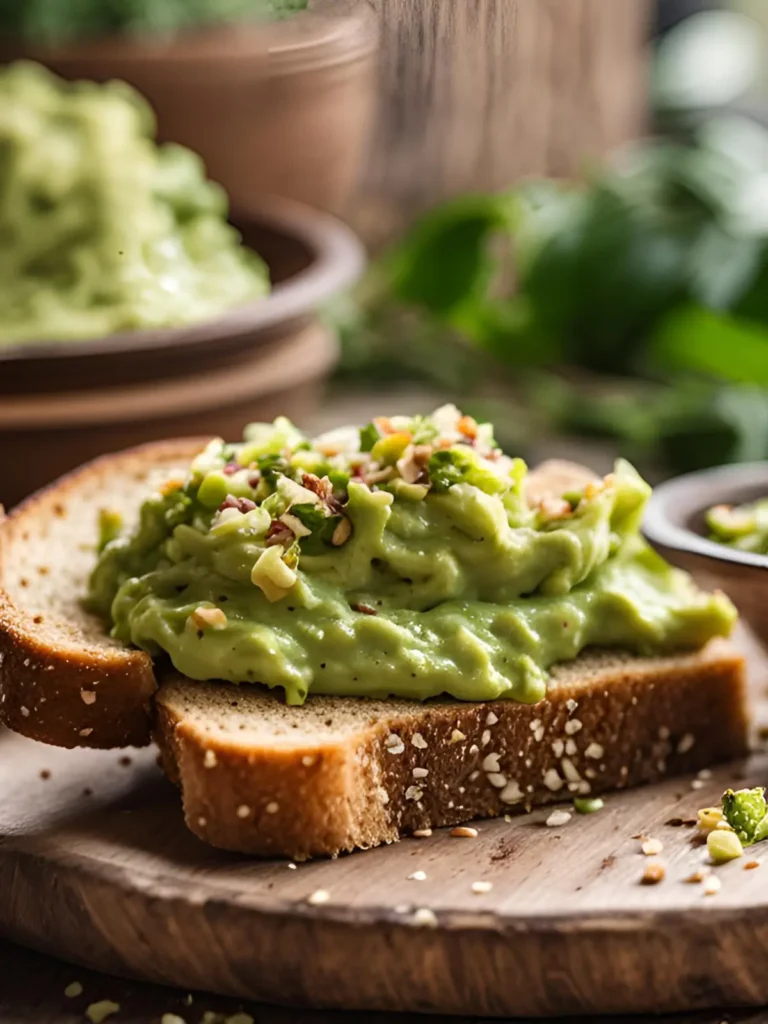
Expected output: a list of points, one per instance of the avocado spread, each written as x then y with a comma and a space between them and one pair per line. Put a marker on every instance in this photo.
744, 526
404, 558
101, 229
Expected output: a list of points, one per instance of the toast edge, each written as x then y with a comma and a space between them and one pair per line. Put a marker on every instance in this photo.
637, 725
41, 685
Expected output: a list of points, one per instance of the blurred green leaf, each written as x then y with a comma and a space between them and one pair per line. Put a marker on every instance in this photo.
702, 341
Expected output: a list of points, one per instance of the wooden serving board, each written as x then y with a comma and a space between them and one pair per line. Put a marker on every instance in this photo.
97, 867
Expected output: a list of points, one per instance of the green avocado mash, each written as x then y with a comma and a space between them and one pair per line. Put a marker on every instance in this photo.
400, 559
744, 527
101, 229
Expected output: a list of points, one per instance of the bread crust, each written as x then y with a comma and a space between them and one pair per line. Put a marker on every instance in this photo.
47, 672
608, 722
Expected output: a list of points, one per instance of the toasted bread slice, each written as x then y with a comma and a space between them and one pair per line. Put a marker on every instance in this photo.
342, 773
62, 679
337, 773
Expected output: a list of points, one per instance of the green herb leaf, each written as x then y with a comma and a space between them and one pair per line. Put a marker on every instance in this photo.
271, 467
369, 435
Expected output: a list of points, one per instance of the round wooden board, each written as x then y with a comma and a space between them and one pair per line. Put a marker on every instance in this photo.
97, 867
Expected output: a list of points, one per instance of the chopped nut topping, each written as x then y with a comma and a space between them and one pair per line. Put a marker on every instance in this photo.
653, 873
712, 885
73, 989
491, 763
98, 1012
651, 847
457, 736
318, 896
425, 918
557, 819
414, 793
418, 741
572, 726
213, 618
87, 696
420, 773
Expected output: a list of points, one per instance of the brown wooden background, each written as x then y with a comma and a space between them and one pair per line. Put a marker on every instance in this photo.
474, 94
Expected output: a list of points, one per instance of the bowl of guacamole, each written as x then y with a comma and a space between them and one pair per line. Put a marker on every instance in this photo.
409, 557
114, 245
714, 523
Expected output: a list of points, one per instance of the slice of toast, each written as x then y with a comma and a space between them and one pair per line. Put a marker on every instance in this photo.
337, 773
342, 773
62, 679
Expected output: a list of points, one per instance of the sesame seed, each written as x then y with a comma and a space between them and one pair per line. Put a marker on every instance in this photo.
210, 760
86, 732
308, 760
394, 743
202, 822
420, 773
243, 811
712, 885
686, 742
73, 989
705, 773
485, 739
418, 741
481, 888
651, 847
98, 1012
422, 833
751, 865
473, 776
172, 1018
491, 763
425, 918
572, 726
570, 747
463, 832
497, 780
511, 794
87, 696
491, 718
552, 780
457, 736
24, 711
697, 784
698, 876
474, 749
291, 866
418, 876
570, 771
653, 873
558, 818
272, 807
413, 793
318, 896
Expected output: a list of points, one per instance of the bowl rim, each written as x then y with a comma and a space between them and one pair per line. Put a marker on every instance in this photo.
675, 501
339, 260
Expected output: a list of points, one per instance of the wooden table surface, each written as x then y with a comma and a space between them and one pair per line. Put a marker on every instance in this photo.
32, 992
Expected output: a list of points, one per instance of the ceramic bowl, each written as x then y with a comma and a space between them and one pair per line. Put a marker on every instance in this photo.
674, 524
311, 256
281, 107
